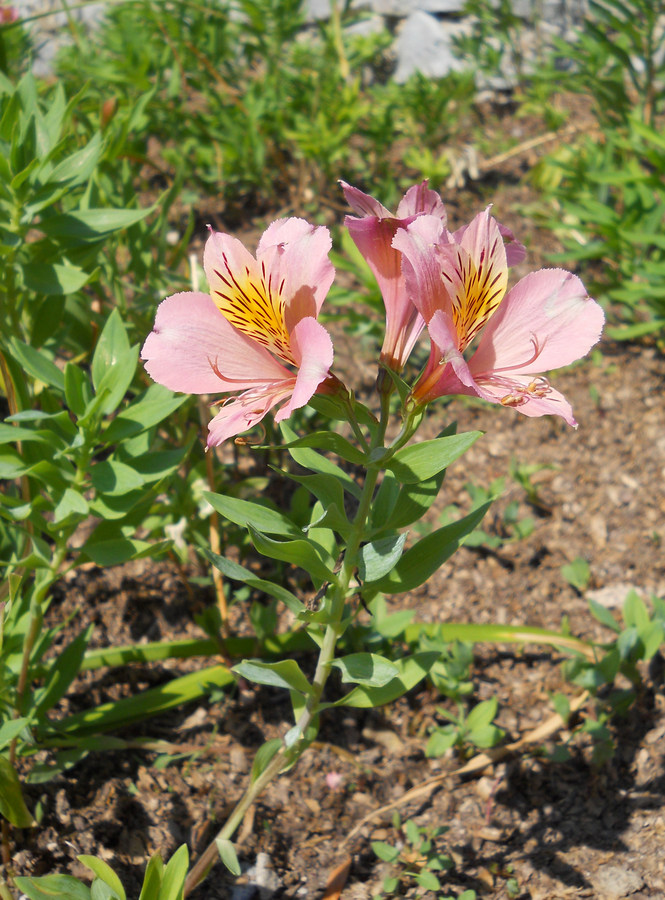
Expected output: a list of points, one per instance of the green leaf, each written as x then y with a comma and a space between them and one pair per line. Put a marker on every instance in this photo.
440, 741
238, 573
54, 279
284, 674
246, 513
418, 462
12, 804
53, 887
152, 879
63, 671
412, 503
115, 383
119, 550
227, 854
635, 612
77, 389
366, 668
10, 730
112, 344
577, 573
175, 872
603, 615
148, 703
298, 553
72, 505
155, 405
111, 477
385, 851
428, 880
79, 166
89, 225
310, 459
37, 365
331, 441
482, 714
263, 756
379, 557
105, 873
425, 557
412, 669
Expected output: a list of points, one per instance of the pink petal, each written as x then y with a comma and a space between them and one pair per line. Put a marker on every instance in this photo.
191, 339
313, 351
364, 205
245, 411
420, 199
419, 244
546, 321
223, 253
553, 404
515, 251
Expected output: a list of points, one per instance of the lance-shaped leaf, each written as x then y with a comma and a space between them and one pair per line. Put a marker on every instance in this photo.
412, 670
105, 873
248, 514
284, 674
311, 459
331, 441
239, 573
378, 557
299, 553
53, 887
12, 804
418, 462
367, 669
425, 557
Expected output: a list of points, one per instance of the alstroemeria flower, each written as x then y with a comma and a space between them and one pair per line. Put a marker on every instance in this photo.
256, 332
546, 321
373, 233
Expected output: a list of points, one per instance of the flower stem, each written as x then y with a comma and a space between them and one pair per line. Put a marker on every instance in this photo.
287, 755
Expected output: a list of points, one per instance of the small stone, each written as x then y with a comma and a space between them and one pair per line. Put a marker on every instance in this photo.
614, 882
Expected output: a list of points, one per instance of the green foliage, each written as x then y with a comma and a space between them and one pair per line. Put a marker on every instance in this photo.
309, 109
638, 639
475, 727
160, 882
415, 859
606, 191
577, 573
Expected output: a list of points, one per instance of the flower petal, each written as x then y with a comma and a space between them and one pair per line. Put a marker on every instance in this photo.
195, 350
552, 403
546, 321
313, 349
245, 411
421, 199
418, 244
249, 293
362, 204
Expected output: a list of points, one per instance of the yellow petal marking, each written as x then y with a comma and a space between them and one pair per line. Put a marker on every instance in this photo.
476, 291
254, 304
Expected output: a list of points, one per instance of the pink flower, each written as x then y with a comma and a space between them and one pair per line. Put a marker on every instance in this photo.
260, 315
459, 286
8, 14
333, 780
373, 234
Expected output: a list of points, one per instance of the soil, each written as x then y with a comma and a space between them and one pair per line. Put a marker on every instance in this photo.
523, 826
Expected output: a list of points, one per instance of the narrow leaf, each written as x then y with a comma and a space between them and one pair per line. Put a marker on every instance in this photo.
412, 669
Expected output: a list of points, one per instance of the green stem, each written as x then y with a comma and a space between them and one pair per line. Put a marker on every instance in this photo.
286, 756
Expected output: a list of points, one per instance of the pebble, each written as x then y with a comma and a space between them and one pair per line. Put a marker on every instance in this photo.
615, 882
